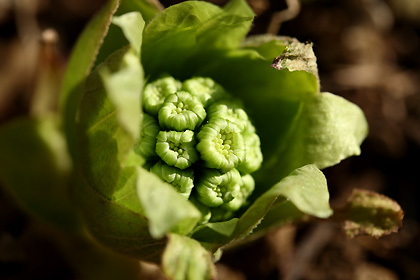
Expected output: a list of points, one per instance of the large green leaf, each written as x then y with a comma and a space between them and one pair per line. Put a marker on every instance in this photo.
79, 67
326, 129
110, 120
109, 124
110, 111
176, 38
35, 166
116, 225
306, 188
186, 259
132, 25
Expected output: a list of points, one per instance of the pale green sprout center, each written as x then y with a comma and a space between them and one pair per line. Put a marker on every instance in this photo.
222, 144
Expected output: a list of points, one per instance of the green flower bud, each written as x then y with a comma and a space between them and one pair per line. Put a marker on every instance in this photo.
177, 148
182, 180
154, 94
221, 144
181, 111
254, 157
204, 89
147, 142
246, 188
215, 188
233, 112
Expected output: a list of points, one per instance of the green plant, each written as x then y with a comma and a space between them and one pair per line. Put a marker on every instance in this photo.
96, 166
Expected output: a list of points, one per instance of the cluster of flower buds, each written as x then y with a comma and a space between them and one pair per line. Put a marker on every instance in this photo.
198, 138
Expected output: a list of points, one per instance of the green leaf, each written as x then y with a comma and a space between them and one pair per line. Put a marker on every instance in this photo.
326, 129
185, 259
240, 8
215, 232
79, 67
305, 188
281, 213
267, 45
369, 213
257, 75
109, 120
115, 39
132, 25
109, 123
126, 190
165, 208
35, 166
123, 86
116, 225
175, 38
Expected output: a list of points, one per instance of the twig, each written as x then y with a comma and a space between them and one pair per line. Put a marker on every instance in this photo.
293, 9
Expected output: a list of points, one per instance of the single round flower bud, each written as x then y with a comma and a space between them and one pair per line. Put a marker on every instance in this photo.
221, 144
215, 188
177, 148
233, 112
246, 188
182, 180
154, 94
181, 111
204, 89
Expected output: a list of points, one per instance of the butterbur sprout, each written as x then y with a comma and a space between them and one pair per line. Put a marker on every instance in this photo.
182, 139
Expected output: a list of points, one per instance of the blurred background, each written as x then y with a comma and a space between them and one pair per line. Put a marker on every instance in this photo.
368, 52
